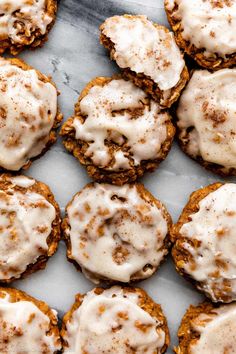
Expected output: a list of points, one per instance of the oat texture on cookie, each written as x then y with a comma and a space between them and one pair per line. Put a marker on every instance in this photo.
25, 23
116, 233
205, 30
28, 114
118, 132
117, 320
207, 120
204, 241
147, 54
26, 324
208, 329
29, 226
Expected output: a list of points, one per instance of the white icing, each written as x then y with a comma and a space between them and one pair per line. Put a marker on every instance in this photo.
22, 181
102, 226
217, 332
28, 108
23, 15
208, 24
169, 4
143, 134
208, 105
108, 324
214, 227
144, 48
23, 329
25, 223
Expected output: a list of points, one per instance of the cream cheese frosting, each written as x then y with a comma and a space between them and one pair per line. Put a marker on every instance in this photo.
207, 24
19, 19
217, 331
207, 109
112, 322
117, 112
26, 219
24, 328
210, 238
115, 233
145, 48
28, 107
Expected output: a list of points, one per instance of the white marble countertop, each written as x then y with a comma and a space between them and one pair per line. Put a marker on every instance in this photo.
73, 56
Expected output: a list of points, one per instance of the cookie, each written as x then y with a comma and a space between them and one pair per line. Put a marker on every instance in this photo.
205, 29
206, 119
28, 114
117, 132
27, 325
116, 233
117, 321
204, 241
25, 23
147, 54
29, 226
207, 328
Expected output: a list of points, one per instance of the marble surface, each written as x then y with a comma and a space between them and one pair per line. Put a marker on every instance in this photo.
72, 57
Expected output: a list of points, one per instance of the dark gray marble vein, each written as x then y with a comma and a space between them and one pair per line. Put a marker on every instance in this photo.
91, 13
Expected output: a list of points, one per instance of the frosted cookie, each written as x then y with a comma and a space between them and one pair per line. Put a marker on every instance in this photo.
205, 241
27, 325
208, 329
147, 54
28, 114
207, 120
117, 132
25, 23
205, 29
116, 321
116, 233
29, 226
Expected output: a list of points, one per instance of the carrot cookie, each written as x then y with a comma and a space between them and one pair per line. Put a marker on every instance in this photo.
118, 132
208, 329
116, 233
29, 226
207, 120
116, 321
205, 30
28, 114
205, 241
25, 23
148, 55
27, 325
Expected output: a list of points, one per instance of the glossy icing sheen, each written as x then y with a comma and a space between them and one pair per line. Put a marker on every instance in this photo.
143, 132
144, 48
217, 332
28, 108
208, 105
23, 329
214, 226
25, 16
25, 223
208, 24
115, 238
113, 324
